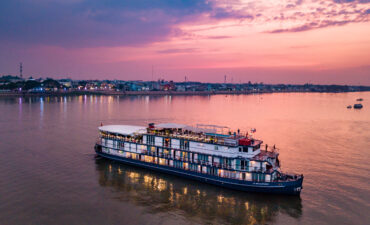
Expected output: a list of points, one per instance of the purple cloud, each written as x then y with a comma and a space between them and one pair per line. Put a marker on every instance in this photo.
218, 37
349, 1
222, 13
177, 50
94, 23
321, 17
310, 26
91, 23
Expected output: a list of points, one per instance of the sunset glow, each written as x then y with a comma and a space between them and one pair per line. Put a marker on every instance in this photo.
286, 41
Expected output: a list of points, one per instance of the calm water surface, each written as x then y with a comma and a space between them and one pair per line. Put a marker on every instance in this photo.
49, 173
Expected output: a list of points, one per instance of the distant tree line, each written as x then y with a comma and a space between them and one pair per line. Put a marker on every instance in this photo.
30, 84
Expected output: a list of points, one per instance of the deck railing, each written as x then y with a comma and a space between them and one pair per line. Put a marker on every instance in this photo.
270, 148
198, 138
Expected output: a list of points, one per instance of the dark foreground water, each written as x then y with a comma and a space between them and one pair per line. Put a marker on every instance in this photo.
49, 173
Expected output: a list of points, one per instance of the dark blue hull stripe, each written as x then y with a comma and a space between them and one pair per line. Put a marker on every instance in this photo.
267, 187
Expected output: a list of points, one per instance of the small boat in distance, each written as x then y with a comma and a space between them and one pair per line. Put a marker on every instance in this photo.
359, 99
349, 107
357, 106
204, 153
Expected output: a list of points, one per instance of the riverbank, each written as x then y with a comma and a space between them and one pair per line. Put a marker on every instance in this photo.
155, 93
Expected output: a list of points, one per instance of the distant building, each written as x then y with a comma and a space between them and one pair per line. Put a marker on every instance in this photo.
66, 82
181, 87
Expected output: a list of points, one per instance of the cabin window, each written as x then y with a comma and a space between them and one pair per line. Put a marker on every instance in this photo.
121, 144
150, 140
166, 142
245, 149
166, 152
216, 147
203, 158
242, 164
240, 149
184, 144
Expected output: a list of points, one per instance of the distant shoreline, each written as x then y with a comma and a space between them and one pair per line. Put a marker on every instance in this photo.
154, 93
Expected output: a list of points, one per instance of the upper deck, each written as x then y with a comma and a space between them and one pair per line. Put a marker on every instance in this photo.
210, 134
204, 140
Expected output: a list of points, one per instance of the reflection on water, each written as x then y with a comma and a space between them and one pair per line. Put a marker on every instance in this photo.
165, 193
49, 175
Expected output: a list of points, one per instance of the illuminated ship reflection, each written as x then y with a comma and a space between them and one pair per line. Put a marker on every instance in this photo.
165, 193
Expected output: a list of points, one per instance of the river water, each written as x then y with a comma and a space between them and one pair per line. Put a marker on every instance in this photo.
49, 173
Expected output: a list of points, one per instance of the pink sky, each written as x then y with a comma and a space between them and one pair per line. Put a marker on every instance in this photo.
286, 41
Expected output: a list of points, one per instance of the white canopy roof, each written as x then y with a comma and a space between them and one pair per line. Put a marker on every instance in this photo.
170, 125
123, 129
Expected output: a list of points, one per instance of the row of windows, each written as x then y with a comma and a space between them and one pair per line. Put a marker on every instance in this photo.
189, 166
150, 140
166, 142
184, 144
192, 157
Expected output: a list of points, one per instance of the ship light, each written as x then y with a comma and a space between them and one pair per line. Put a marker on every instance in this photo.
220, 198
185, 190
161, 185
246, 206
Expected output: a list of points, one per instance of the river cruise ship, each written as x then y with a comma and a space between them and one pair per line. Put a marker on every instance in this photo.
205, 153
